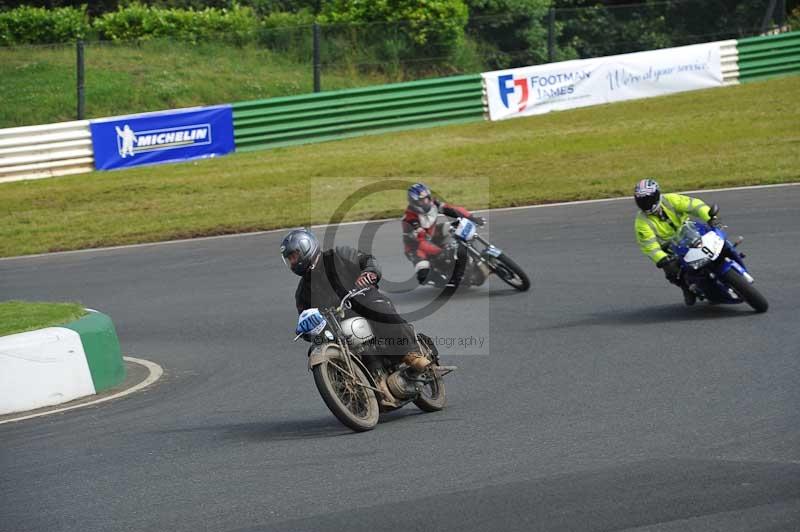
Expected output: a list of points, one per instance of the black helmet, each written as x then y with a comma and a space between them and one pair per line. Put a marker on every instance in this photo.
299, 250
419, 198
647, 195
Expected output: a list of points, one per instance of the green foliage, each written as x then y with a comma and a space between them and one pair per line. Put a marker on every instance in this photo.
598, 31
588, 28
36, 25
511, 32
794, 19
435, 25
288, 33
237, 25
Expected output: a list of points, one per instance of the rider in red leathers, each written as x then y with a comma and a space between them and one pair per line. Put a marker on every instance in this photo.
423, 237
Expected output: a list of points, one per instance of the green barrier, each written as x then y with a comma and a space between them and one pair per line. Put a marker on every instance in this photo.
769, 56
103, 354
340, 114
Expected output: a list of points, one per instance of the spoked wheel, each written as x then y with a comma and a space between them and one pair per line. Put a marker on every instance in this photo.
432, 398
509, 272
345, 394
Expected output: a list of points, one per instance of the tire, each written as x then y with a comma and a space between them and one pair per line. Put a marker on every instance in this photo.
746, 290
355, 406
510, 272
433, 397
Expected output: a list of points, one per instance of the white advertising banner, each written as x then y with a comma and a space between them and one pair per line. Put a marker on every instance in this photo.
583, 82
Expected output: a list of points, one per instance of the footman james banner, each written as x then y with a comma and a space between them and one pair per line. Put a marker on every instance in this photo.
579, 83
168, 136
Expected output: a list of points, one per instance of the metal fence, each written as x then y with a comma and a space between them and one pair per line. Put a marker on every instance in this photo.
40, 84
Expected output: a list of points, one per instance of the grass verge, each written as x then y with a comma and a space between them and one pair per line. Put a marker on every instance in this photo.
741, 135
21, 316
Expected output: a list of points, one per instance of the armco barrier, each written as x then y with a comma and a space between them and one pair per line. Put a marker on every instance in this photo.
769, 56
339, 114
48, 150
729, 60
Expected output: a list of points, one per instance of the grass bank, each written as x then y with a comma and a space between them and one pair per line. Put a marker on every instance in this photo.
742, 135
38, 83
21, 316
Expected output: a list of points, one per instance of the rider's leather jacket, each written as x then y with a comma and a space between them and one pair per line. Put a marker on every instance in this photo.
420, 231
654, 230
319, 287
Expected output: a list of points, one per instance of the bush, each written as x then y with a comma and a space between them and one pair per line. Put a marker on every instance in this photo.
794, 19
434, 25
288, 33
37, 25
237, 25
511, 33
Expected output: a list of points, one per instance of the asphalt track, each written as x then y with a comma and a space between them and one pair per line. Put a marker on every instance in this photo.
597, 402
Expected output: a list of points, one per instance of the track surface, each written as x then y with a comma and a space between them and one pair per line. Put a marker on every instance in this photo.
600, 402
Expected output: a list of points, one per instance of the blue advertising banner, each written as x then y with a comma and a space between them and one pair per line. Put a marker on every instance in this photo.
162, 137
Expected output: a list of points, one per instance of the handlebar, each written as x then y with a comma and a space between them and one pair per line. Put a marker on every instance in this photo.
344, 303
350, 295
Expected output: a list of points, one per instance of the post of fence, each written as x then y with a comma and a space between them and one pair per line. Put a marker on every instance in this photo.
317, 66
80, 76
551, 34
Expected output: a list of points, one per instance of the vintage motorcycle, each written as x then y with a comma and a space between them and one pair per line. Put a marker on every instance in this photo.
712, 267
349, 389
466, 251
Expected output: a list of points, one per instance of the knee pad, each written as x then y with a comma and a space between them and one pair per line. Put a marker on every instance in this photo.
422, 269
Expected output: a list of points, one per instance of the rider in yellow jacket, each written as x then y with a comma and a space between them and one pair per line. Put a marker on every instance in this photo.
660, 217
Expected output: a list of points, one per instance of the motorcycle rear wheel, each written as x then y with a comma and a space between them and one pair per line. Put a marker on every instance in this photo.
510, 272
746, 291
352, 404
432, 398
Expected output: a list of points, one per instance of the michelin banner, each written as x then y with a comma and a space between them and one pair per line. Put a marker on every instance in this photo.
167, 136
580, 83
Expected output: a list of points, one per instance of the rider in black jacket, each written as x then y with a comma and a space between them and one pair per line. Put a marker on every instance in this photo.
326, 276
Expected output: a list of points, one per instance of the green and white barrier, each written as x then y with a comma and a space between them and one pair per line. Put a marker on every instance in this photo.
58, 364
34, 152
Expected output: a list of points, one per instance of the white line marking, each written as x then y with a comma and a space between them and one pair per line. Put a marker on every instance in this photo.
320, 226
155, 373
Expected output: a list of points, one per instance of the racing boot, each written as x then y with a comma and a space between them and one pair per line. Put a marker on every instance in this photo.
417, 361
689, 297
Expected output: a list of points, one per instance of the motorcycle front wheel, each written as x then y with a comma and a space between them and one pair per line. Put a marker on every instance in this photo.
509, 271
746, 291
345, 394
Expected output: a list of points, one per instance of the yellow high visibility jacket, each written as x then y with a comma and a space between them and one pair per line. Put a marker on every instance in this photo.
652, 232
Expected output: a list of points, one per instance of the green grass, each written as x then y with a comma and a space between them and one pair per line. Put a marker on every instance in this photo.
743, 135
21, 316
38, 83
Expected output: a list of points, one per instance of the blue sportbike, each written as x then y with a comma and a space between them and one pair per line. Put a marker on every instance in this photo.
713, 268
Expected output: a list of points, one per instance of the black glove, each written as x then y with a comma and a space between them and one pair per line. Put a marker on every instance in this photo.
366, 279
671, 266
479, 220
713, 211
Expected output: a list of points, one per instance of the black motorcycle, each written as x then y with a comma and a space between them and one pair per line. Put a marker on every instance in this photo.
350, 389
